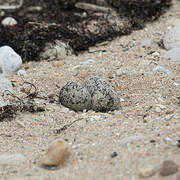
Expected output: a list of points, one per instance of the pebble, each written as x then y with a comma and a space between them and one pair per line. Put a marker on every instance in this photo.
11, 159
56, 154
147, 171
55, 50
10, 61
88, 62
114, 154
8, 21
173, 54
161, 68
74, 96
172, 38
158, 109
119, 72
168, 167
104, 98
22, 72
156, 54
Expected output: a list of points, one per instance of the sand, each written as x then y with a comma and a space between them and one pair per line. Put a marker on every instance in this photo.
144, 131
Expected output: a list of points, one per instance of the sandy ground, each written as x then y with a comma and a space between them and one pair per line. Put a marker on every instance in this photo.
150, 111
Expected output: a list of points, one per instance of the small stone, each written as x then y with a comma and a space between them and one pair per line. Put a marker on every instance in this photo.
88, 62
161, 68
22, 73
168, 168
173, 54
10, 61
9, 21
57, 152
156, 54
158, 109
147, 171
114, 154
119, 72
74, 96
55, 50
104, 97
172, 38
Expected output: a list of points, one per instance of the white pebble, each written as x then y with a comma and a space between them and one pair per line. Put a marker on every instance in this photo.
10, 61
158, 109
22, 72
176, 84
8, 21
156, 54
161, 106
161, 68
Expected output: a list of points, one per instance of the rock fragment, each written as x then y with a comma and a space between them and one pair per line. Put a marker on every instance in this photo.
161, 68
9, 21
74, 96
57, 152
169, 167
147, 171
104, 97
10, 61
55, 50
173, 54
172, 38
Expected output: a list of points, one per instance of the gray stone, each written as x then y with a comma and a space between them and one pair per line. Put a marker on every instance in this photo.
104, 98
74, 96
10, 61
173, 54
55, 50
168, 168
172, 38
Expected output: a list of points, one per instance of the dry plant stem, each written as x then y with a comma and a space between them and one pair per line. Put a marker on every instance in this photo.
5, 7
58, 131
92, 7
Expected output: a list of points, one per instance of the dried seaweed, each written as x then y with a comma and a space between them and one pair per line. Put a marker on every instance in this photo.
27, 104
62, 20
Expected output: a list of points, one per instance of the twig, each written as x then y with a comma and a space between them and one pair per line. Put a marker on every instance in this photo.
92, 7
6, 7
58, 131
